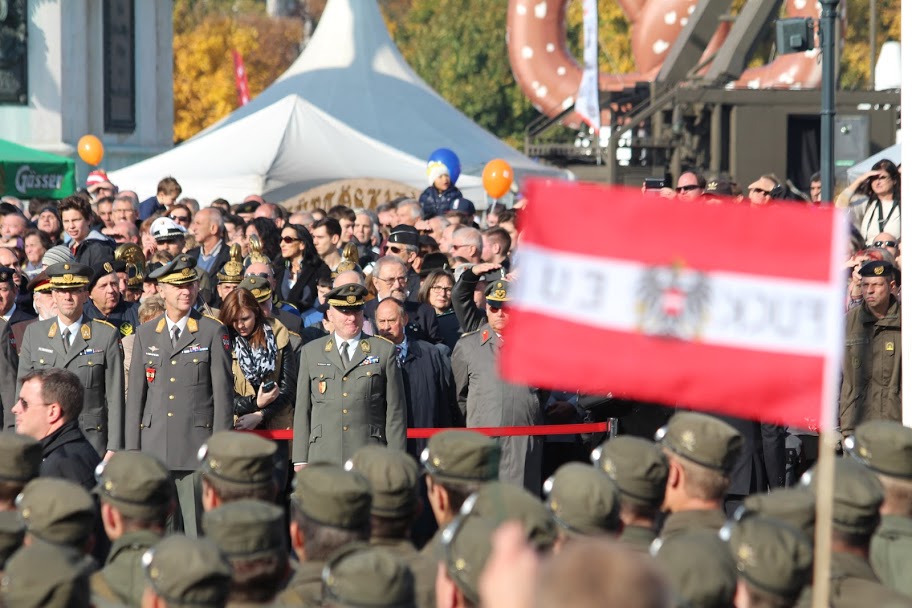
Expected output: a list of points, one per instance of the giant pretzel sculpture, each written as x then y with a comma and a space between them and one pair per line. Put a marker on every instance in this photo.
549, 75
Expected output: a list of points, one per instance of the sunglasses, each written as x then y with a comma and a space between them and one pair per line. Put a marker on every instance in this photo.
885, 243
394, 249
290, 239
183, 219
761, 191
690, 188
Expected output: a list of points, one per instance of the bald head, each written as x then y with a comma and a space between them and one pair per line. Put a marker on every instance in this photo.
349, 276
390, 320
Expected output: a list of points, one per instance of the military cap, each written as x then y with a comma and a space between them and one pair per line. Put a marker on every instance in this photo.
101, 270
877, 268
11, 535
165, 229
239, 459
461, 456
56, 511
246, 529
403, 234
232, 272
39, 283
637, 466
69, 275
857, 496
794, 506
350, 295
465, 545
583, 500
188, 571
7, 275
498, 291
20, 457
434, 261
769, 554
246, 207
393, 478
44, 576
364, 577
136, 483
884, 447
179, 271
699, 567
258, 286
702, 439
332, 496
503, 502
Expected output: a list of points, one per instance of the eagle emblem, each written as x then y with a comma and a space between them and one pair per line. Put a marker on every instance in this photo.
672, 301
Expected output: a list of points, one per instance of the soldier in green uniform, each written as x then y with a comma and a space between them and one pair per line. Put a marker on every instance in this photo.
456, 464
251, 535
182, 571
701, 452
350, 390
137, 495
330, 508
699, 567
58, 512
90, 349
504, 502
367, 577
237, 466
639, 469
857, 497
583, 502
20, 462
180, 385
12, 533
464, 549
393, 478
794, 506
886, 449
45, 576
773, 560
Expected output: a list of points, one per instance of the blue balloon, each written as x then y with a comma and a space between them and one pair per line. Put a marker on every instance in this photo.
448, 158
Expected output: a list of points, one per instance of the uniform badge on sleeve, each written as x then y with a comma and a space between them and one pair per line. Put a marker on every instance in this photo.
150, 374
226, 342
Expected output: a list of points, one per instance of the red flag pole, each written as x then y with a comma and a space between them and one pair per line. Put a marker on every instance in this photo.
240, 78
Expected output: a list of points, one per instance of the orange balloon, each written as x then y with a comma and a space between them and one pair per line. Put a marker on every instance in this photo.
497, 178
90, 149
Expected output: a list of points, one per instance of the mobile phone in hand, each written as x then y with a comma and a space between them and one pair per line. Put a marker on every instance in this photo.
268, 386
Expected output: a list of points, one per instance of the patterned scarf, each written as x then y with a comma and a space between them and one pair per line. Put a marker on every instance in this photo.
257, 363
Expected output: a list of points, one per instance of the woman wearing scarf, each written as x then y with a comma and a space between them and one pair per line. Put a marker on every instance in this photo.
298, 268
261, 353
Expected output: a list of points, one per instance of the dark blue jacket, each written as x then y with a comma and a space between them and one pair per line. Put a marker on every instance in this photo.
149, 207
430, 391
67, 454
434, 202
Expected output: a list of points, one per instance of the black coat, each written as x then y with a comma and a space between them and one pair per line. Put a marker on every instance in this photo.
430, 391
68, 454
422, 319
304, 291
761, 466
95, 250
291, 321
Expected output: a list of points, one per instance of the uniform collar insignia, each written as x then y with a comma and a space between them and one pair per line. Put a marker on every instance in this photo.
160, 326
86, 331
53, 330
365, 346
192, 325
329, 345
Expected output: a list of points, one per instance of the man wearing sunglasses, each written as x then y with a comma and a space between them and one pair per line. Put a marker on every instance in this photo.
691, 186
403, 243
761, 191
887, 241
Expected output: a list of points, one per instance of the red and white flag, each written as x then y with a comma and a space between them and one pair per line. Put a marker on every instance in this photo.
240, 78
720, 307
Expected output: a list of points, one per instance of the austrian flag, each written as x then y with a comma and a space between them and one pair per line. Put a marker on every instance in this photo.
721, 307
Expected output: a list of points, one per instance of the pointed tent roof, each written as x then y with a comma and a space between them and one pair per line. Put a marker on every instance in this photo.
349, 106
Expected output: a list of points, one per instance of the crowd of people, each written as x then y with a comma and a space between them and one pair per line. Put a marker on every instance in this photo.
139, 336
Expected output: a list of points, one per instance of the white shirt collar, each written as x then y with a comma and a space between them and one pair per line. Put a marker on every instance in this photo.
182, 324
74, 328
351, 343
9, 314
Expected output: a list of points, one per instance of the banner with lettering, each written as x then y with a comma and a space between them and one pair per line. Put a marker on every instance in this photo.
724, 307
29, 173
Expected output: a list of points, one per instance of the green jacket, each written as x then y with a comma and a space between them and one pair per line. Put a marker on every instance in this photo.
637, 538
425, 571
305, 588
891, 553
122, 578
853, 584
688, 521
871, 367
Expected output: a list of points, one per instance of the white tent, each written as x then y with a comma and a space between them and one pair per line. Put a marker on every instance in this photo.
350, 106
893, 153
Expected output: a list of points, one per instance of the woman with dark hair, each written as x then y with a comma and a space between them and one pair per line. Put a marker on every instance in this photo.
265, 229
874, 201
299, 267
437, 291
262, 364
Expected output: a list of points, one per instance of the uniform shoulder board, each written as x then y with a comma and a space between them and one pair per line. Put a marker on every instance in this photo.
213, 318
105, 322
284, 303
385, 339
470, 333
291, 333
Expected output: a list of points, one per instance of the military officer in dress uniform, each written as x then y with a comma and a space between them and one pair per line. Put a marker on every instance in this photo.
180, 385
89, 348
350, 390
106, 301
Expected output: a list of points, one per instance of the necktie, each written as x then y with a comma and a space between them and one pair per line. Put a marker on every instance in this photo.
344, 352
400, 354
66, 339
175, 334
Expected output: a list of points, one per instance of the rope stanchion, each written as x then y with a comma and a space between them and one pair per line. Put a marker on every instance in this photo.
491, 431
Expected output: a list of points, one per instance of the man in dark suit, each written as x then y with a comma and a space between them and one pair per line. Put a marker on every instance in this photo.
390, 279
761, 465
181, 385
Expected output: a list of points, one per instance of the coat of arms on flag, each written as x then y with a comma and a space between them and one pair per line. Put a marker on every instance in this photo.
672, 301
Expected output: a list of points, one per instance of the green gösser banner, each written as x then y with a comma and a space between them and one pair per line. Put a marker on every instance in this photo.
28, 173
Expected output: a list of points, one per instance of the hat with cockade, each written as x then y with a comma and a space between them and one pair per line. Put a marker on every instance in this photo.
69, 275
188, 571
497, 292
20, 457
362, 576
332, 496
461, 456
702, 439
393, 478
583, 500
348, 296
179, 271
258, 286
165, 229
238, 459
883, 446
137, 484
637, 466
